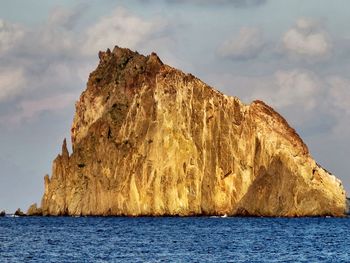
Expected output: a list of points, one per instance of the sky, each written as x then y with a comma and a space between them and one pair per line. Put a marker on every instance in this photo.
293, 54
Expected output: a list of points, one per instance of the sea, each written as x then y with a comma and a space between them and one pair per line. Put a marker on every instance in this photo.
174, 239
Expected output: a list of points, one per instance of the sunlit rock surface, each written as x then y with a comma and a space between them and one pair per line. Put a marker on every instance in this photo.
33, 210
150, 140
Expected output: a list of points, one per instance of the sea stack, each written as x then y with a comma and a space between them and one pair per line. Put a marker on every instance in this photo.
151, 140
19, 213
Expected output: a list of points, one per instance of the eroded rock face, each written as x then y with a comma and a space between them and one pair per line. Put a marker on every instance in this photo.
150, 140
34, 210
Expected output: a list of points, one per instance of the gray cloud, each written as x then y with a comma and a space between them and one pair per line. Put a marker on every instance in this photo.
66, 18
339, 94
235, 3
12, 82
246, 45
29, 109
39, 66
9, 35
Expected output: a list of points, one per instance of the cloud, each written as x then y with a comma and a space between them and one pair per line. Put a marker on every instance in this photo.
25, 95
307, 38
9, 35
313, 103
35, 63
29, 109
242, 3
12, 82
339, 90
56, 38
122, 28
282, 89
337, 99
235, 3
66, 18
291, 88
58, 55
246, 45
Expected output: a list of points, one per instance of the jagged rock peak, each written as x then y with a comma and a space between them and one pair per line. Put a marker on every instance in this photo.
123, 64
149, 139
123, 54
65, 152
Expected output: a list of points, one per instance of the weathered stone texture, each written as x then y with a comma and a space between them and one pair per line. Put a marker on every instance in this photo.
151, 140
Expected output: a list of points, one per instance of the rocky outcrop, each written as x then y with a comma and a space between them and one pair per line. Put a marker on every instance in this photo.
34, 210
19, 213
2, 213
148, 139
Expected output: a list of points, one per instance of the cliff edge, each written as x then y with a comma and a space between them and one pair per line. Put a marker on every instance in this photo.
150, 140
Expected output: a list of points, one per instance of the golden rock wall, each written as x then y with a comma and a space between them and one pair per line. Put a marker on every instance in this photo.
151, 140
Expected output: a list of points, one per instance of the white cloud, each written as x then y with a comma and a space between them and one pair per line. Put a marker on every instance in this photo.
247, 44
307, 38
122, 28
9, 35
12, 82
294, 88
312, 103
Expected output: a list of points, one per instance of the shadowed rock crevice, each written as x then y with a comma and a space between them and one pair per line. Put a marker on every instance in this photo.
150, 140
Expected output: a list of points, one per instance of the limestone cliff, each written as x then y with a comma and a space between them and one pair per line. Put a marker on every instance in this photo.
150, 140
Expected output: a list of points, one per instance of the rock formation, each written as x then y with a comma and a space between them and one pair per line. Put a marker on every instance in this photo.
148, 139
19, 213
33, 210
2, 213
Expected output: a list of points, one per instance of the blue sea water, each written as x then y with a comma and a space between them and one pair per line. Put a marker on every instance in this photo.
191, 239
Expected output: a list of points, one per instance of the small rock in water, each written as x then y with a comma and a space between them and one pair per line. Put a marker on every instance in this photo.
2, 213
19, 213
